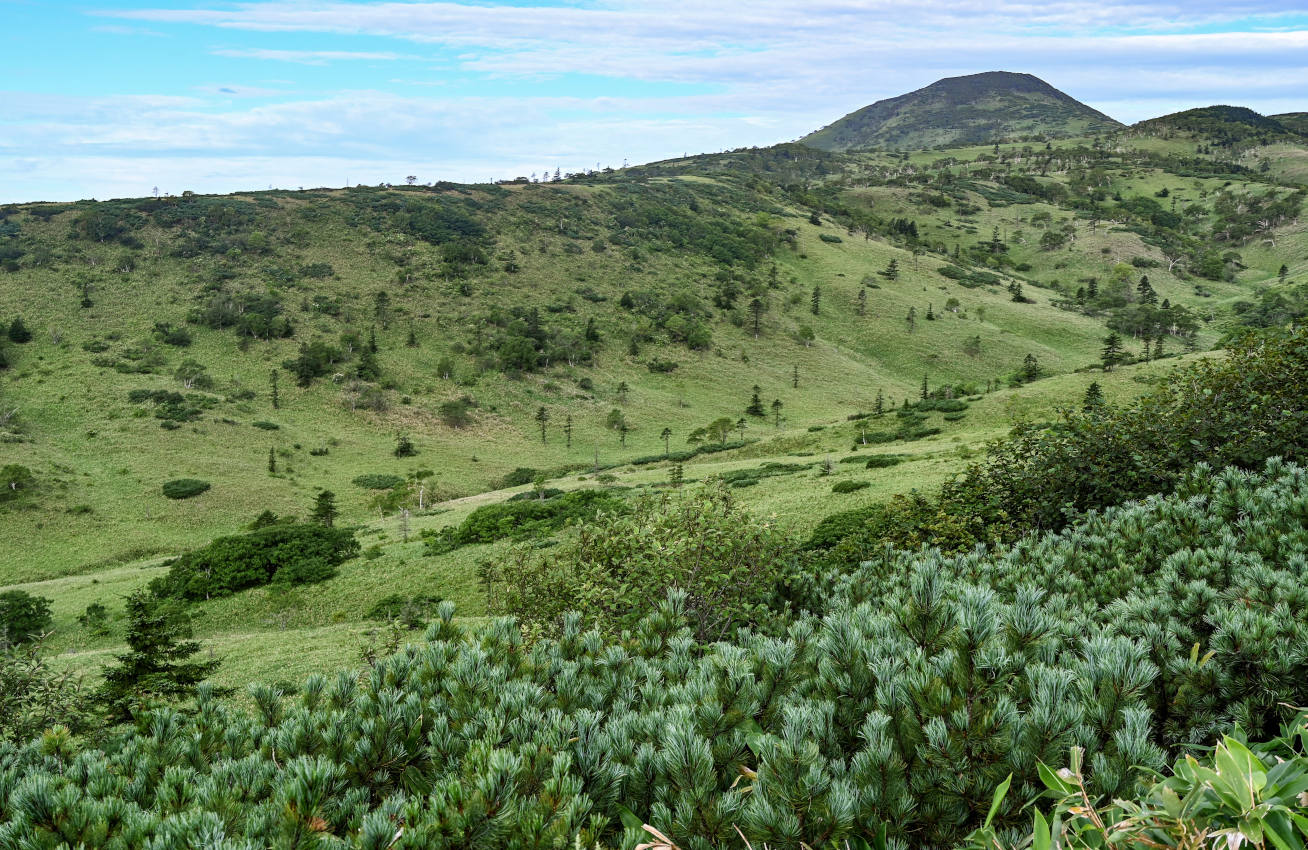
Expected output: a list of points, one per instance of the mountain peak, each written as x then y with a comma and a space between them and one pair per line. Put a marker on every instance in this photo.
972, 109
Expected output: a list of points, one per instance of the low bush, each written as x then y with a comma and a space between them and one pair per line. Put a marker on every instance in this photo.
286, 553
23, 617
849, 486
377, 481
184, 488
527, 518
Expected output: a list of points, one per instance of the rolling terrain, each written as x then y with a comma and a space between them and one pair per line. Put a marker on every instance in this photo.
574, 332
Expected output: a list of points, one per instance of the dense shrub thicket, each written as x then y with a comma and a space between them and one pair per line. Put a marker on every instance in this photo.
184, 488
290, 553
899, 703
526, 518
1236, 410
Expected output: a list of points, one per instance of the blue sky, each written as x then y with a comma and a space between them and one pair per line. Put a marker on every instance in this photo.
111, 98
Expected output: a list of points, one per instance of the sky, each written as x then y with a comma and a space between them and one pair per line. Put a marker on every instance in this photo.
120, 98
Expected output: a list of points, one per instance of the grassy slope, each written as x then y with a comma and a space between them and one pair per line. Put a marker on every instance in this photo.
89, 446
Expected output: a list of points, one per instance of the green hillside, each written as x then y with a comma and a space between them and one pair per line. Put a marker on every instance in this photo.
1222, 126
975, 109
635, 308
822, 495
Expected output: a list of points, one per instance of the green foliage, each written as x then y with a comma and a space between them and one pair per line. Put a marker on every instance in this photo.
1238, 410
155, 667
18, 331
285, 553
412, 611
377, 481
528, 518
889, 714
184, 488
23, 617
620, 565
1240, 794
15, 479
849, 486
34, 698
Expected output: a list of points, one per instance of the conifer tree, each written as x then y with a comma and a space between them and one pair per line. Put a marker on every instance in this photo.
756, 312
567, 431
272, 461
930, 313
794, 377
862, 302
1030, 368
1283, 273
755, 406
1145, 291
156, 665
776, 413
925, 393
272, 379
1093, 399
666, 435
891, 272
879, 406
324, 508
542, 419
18, 331
1112, 352
815, 301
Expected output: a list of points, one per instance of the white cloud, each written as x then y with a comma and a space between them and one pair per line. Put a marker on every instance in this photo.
749, 73
308, 57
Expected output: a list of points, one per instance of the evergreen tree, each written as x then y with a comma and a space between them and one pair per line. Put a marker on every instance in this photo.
815, 301
755, 407
367, 368
1112, 352
892, 270
1283, 273
404, 446
324, 508
756, 312
930, 313
542, 418
156, 665
1158, 345
776, 413
272, 461
567, 431
862, 302
1093, 399
372, 339
623, 389
879, 406
272, 379
794, 377
912, 318
18, 331
676, 476
666, 435
925, 392
623, 428
1030, 368
1145, 291
412, 340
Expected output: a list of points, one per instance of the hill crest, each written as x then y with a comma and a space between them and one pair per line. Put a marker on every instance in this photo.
973, 109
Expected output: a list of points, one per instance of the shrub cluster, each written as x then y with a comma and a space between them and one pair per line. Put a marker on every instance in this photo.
894, 708
288, 553
184, 488
526, 518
